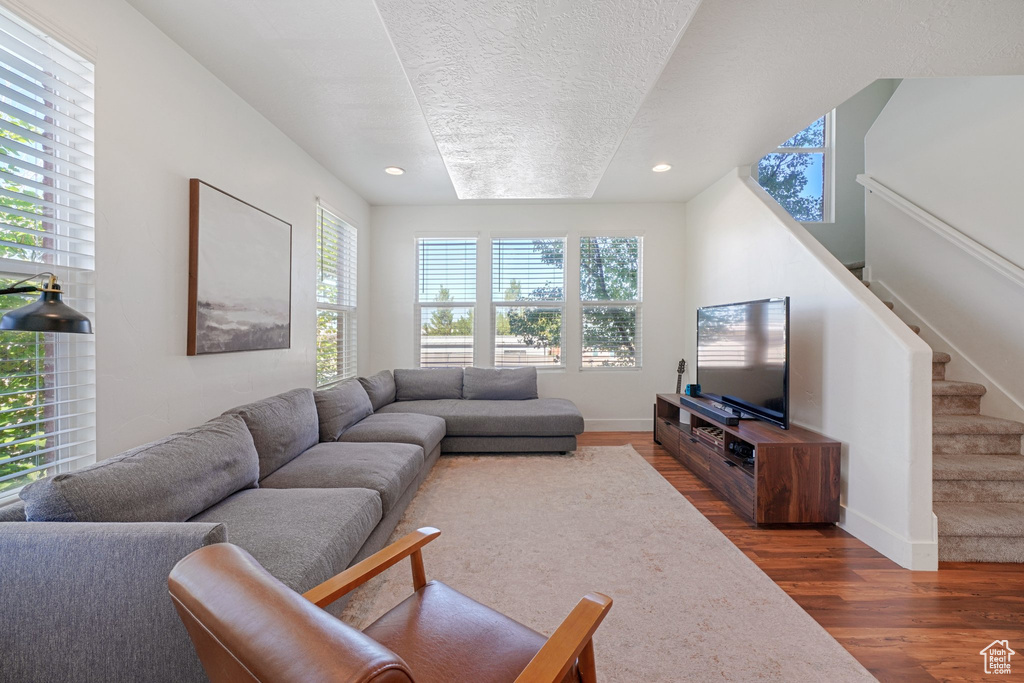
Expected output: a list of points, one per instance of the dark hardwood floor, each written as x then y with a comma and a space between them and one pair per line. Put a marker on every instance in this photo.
901, 625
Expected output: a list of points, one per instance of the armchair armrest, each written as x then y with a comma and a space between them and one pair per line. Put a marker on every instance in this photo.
358, 574
572, 640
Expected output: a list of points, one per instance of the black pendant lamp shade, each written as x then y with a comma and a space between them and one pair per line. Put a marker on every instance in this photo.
47, 314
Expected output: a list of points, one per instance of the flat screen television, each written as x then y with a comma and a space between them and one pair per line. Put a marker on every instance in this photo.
743, 357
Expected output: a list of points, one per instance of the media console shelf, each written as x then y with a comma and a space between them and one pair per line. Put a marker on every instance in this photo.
794, 478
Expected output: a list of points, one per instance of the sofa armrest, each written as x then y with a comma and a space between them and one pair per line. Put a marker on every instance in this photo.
87, 601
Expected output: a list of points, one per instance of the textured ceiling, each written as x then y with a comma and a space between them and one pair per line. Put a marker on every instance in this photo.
529, 100
744, 76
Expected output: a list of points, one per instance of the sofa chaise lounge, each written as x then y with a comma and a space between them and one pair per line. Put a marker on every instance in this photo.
485, 410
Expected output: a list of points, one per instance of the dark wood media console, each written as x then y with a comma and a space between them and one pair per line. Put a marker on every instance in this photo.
794, 478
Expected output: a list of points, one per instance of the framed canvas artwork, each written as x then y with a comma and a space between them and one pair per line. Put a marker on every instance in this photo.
240, 275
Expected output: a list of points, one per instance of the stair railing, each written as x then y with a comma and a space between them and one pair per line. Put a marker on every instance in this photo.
979, 251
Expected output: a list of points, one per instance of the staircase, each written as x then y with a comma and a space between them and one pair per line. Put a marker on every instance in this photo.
977, 471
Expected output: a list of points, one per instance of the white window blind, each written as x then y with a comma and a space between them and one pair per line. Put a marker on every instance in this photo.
336, 252
611, 301
528, 295
445, 301
47, 381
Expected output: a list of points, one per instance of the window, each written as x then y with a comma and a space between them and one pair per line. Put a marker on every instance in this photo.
47, 381
528, 295
798, 174
335, 298
446, 301
610, 300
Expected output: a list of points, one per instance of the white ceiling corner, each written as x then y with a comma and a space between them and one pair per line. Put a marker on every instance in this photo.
530, 100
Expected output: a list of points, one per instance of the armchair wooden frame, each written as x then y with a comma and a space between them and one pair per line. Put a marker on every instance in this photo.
572, 642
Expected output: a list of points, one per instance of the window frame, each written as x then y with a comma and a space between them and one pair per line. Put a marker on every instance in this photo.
551, 304
827, 167
420, 304
637, 304
345, 312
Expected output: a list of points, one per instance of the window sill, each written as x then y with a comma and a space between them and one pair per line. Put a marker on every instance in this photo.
611, 368
334, 382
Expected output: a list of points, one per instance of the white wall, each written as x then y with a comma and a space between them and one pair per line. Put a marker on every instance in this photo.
608, 399
844, 237
953, 146
161, 118
858, 374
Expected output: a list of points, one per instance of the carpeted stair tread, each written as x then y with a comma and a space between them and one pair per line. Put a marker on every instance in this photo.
915, 328
974, 424
940, 357
951, 388
1000, 520
889, 305
978, 467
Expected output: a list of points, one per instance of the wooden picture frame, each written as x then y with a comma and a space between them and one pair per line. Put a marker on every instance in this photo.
239, 275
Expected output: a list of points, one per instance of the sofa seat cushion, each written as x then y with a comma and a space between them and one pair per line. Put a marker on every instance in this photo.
168, 480
301, 536
387, 468
426, 431
536, 417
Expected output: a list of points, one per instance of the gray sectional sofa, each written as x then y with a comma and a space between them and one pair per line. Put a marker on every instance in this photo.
307, 482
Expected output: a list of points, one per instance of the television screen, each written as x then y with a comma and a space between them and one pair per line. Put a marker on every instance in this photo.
743, 357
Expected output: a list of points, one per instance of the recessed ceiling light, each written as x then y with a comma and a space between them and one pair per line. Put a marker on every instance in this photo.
394, 170
661, 168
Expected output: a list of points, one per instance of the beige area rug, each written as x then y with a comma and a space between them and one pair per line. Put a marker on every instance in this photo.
530, 535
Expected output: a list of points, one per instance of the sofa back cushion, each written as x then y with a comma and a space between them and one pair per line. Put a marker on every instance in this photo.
13, 512
170, 480
497, 384
282, 427
380, 388
425, 384
340, 407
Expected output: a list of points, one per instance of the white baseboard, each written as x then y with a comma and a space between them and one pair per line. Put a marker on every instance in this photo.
916, 555
637, 425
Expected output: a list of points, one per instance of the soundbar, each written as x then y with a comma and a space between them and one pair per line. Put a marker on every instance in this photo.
721, 416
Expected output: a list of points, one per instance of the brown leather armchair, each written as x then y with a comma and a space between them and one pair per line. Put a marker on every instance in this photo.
248, 626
